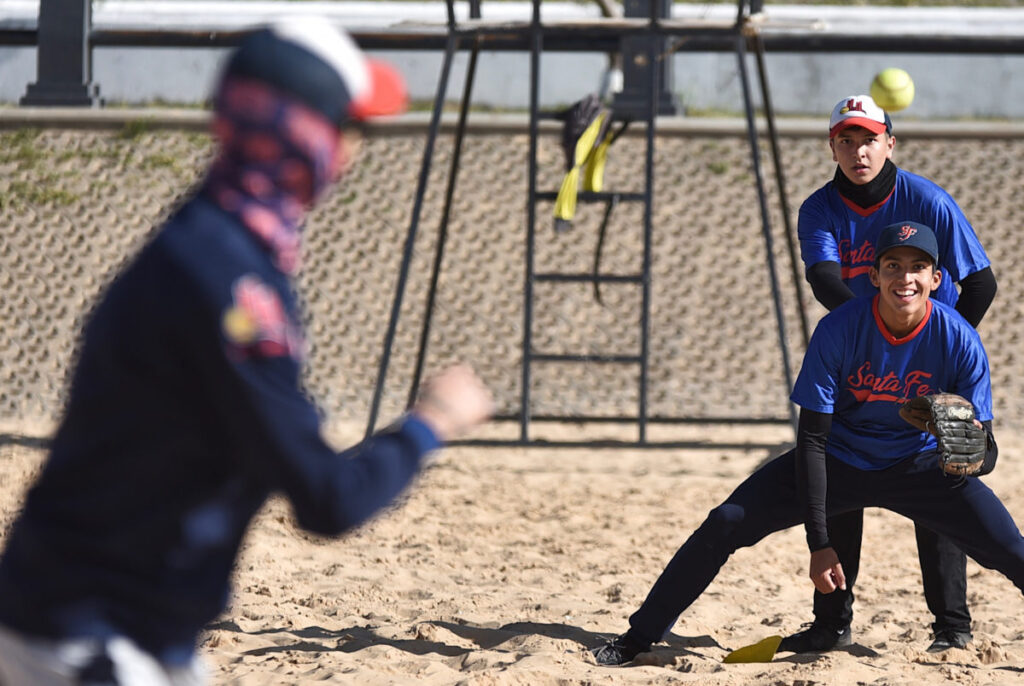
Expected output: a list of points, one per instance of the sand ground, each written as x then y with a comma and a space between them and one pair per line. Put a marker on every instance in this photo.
503, 565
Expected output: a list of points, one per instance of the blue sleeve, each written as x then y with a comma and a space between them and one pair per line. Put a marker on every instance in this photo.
814, 229
280, 434
818, 383
960, 250
974, 382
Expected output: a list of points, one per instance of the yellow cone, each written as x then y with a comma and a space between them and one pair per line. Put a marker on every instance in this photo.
762, 651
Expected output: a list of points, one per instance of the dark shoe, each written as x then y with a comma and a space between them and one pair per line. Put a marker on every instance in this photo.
944, 640
619, 650
816, 638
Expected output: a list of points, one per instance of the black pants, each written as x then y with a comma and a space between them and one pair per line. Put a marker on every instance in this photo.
943, 571
965, 510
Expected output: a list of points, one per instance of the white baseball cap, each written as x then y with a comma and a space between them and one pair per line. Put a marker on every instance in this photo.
320, 64
859, 110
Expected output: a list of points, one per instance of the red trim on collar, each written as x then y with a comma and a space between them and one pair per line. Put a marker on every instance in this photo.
885, 332
865, 211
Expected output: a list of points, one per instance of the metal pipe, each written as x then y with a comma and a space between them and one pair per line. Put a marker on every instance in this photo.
755, 157
442, 234
780, 180
536, 43
410, 239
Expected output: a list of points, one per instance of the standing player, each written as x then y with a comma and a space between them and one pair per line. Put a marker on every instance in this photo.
838, 224
853, 449
185, 411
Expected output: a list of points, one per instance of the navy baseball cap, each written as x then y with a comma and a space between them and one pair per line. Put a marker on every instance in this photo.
859, 110
319, 63
911, 234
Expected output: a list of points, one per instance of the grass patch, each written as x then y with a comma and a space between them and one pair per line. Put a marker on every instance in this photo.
21, 146
85, 155
134, 129
159, 160
40, 192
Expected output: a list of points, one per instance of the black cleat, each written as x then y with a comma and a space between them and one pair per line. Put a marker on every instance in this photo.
817, 638
949, 638
619, 650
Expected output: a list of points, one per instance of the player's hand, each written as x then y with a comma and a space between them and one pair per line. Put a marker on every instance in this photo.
453, 401
826, 571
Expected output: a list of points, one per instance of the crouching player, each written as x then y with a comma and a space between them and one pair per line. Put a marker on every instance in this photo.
854, 450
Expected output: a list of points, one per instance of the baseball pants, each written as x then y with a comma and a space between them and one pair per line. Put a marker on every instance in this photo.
943, 574
963, 509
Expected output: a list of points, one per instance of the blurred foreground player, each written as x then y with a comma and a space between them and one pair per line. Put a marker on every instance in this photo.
185, 411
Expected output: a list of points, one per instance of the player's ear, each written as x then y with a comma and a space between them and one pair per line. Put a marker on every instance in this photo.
936, 277
832, 147
873, 275
890, 144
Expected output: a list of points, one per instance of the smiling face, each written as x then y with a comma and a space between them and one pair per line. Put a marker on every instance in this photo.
860, 153
905, 278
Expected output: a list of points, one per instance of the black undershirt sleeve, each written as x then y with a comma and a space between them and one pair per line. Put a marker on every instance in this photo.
826, 279
977, 291
811, 479
991, 451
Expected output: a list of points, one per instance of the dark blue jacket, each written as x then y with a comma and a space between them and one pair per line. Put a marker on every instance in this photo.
185, 412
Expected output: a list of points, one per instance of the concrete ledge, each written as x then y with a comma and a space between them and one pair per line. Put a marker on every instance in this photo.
486, 123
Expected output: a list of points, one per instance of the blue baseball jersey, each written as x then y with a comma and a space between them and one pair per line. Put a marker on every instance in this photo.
855, 370
834, 229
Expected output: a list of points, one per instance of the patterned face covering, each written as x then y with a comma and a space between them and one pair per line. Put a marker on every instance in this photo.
276, 157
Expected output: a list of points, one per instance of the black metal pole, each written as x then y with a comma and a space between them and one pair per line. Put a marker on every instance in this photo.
442, 234
780, 180
531, 222
63, 56
654, 61
410, 239
755, 157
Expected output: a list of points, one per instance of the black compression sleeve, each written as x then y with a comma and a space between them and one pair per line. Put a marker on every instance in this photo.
826, 279
811, 478
991, 451
976, 293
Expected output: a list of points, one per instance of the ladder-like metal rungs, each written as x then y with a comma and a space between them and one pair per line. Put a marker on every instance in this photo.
594, 196
606, 359
590, 278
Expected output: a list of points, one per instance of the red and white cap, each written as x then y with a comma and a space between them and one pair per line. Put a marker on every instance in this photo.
859, 110
320, 64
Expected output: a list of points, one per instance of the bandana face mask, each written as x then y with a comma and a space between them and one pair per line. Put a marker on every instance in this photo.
276, 158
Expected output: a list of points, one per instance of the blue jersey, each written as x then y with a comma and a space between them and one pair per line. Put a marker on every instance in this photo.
855, 370
833, 229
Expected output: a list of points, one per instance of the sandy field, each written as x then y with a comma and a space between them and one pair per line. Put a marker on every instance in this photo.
503, 565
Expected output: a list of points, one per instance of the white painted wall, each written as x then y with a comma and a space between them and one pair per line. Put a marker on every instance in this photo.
948, 86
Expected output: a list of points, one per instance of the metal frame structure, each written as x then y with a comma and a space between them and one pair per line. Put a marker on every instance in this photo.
535, 31
65, 39
64, 56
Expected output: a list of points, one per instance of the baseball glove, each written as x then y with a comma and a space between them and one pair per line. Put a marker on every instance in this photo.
950, 418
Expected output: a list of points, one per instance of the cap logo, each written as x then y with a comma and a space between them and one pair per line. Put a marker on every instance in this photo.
852, 106
906, 231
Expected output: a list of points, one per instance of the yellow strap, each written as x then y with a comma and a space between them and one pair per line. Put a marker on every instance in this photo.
593, 173
588, 138
565, 203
